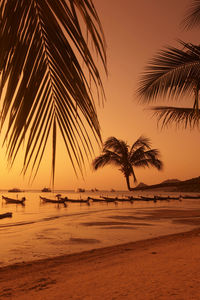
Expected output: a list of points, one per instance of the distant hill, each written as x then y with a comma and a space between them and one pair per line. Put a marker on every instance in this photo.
175, 185
141, 185
171, 181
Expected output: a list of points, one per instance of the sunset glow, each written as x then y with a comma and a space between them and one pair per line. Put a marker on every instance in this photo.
134, 33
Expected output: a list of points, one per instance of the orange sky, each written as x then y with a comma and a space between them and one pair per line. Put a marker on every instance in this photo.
135, 31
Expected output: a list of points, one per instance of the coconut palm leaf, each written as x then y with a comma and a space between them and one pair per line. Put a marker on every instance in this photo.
116, 145
142, 142
143, 157
171, 73
181, 116
137, 154
149, 162
108, 157
192, 17
42, 83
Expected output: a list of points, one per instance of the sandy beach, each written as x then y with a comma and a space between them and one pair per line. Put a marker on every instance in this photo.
165, 267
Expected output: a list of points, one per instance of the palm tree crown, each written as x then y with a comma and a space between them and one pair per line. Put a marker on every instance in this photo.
119, 153
43, 87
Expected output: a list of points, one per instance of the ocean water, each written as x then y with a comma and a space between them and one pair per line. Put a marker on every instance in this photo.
40, 230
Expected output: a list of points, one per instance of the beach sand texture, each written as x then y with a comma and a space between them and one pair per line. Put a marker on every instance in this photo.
160, 268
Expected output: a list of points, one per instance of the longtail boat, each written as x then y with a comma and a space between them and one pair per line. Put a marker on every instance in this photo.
145, 198
114, 199
96, 199
6, 215
58, 201
66, 199
134, 198
109, 199
191, 196
162, 197
104, 199
14, 201
175, 198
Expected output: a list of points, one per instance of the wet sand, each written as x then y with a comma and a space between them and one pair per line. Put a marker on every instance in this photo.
160, 268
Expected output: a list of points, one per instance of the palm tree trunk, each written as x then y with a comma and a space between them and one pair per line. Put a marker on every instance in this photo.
128, 183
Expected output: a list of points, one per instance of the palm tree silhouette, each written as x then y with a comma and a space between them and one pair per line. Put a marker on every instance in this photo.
47, 75
173, 73
118, 153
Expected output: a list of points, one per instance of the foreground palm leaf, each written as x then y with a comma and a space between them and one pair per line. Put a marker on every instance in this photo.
181, 116
174, 73
42, 83
119, 153
192, 17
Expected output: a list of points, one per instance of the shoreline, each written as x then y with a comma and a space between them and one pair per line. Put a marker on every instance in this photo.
165, 259
106, 251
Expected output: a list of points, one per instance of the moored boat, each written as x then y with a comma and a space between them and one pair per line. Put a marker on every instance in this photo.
66, 199
134, 198
46, 190
6, 215
114, 199
96, 199
58, 201
109, 199
80, 190
162, 197
15, 190
175, 198
191, 196
146, 198
14, 201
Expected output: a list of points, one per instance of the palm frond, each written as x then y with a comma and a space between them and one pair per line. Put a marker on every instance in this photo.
152, 153
192, 17
170, 73
106, 158
46, 89
143, 157
142, 141
156, 163
186, 117
136, 154
142, 153
116, 145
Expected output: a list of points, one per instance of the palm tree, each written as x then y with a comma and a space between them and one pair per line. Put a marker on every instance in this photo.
118, 153
173, 73
47, 75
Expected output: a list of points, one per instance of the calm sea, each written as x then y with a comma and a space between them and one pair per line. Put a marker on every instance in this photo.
39, 230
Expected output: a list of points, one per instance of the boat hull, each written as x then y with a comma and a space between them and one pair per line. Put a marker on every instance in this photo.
14, 201
6, 215
76, 200
59, 201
